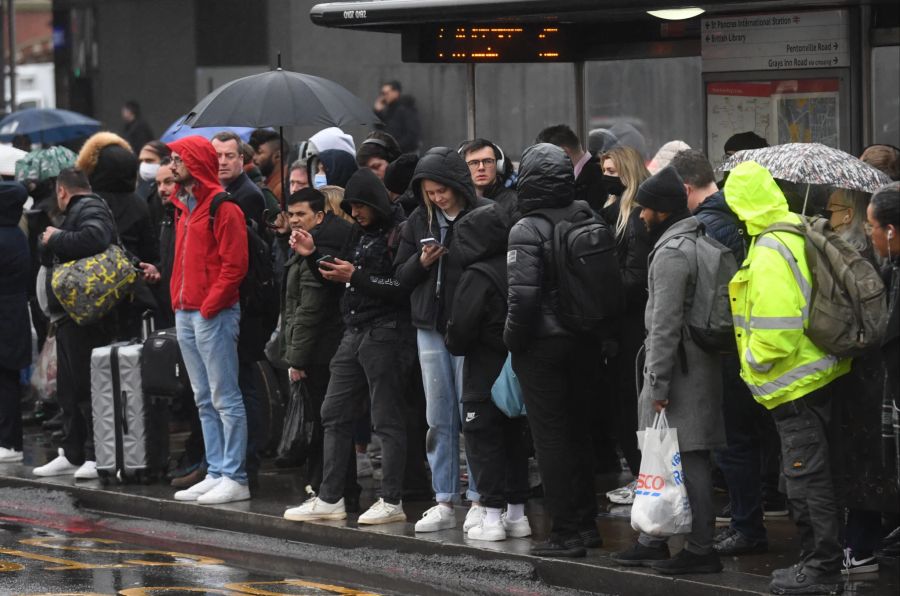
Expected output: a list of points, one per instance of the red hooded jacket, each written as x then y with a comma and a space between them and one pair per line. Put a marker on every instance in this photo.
209, 266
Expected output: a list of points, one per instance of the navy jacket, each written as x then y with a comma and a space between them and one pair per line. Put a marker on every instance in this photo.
722, 224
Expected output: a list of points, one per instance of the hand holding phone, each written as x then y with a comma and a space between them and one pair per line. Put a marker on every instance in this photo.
430, 242
325, 259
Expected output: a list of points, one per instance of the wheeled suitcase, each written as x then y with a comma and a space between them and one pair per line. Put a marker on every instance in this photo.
131, 429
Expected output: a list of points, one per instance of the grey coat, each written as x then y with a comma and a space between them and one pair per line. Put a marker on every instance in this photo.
695, 397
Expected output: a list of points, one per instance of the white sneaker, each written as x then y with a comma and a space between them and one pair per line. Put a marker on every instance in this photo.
60, 466
9, 456
201, 488
316, 509
87, 471
488, 532
474, 517
364, 467
383, 512
516, 529
624, 495
226, 491
437, 518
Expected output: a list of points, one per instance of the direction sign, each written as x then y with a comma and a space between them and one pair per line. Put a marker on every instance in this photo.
782, 41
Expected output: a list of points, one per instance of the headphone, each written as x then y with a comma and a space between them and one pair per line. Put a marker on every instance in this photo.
389, 152
498, 154
890, 234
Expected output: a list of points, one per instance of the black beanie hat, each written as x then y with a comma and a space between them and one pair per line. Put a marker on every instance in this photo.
399, 173
745, 140
663, 192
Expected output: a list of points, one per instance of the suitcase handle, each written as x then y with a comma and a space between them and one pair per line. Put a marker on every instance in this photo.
147, 324
124, 402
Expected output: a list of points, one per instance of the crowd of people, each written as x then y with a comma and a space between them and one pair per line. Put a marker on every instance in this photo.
404, 285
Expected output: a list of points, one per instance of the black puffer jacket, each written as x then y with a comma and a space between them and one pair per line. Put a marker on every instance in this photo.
401, 120
88, 229
506, 197
374, 296
479, 306
433, 289
633, 248
15, 273
722, 224
547, 182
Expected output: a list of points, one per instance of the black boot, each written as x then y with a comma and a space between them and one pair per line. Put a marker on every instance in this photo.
688, 562
560, 547
640, 555
800, 580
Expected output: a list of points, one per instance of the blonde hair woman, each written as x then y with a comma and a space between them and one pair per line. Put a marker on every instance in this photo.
626, 164
333, 197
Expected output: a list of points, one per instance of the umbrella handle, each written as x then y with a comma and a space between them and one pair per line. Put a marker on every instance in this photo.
805, 200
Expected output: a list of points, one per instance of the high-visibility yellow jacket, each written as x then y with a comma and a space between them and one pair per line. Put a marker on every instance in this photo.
770, 297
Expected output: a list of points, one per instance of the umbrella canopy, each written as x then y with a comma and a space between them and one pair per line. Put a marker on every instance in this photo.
9, 155
813, 163
180, 130
45, 125
281, 98
44, 163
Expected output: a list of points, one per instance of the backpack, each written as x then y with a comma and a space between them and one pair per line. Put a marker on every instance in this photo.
259, 293
589, 282
709, 321
847, 308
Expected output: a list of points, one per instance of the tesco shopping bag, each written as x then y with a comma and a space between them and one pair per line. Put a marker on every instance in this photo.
661, 506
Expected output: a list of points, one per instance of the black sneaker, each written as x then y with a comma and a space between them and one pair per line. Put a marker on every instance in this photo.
591, 538
724, 516
797, 580
641, 556
856, 563
559, 547
688, 562
723, 533
736, 543
775, 508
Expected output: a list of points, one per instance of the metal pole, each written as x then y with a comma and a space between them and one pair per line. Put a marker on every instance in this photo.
470, 100
3, 67
580, 103
11, 5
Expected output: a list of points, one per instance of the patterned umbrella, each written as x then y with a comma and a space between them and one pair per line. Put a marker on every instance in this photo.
44, 163
813, 163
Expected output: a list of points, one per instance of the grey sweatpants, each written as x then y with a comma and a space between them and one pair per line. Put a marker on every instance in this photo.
698, 483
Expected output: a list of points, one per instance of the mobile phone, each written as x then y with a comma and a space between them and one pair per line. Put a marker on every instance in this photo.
325, 259
429, 242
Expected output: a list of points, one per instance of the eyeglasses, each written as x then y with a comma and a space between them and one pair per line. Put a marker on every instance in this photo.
476, 163
176, 159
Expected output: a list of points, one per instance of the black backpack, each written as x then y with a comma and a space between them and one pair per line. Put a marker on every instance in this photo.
588, 278
259, 292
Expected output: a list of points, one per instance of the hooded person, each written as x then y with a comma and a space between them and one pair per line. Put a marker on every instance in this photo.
556, 368
211, 259
331, 167
397, 177
332, 138
496, 445
372, 361
15, 331
428, 264
111, 167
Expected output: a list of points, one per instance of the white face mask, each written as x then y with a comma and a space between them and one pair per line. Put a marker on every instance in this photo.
319, 180
147, 171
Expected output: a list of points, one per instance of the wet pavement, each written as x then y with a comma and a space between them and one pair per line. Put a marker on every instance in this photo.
390, 558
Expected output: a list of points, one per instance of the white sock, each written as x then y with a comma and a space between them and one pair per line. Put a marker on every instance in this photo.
515, 511
447, 505
492, 516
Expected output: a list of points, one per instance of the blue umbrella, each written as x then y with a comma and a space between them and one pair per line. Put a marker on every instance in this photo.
46, 125
179, 130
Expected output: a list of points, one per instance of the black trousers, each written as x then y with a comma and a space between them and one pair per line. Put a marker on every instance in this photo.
73, 381
371, 363
803, 426
497, 453
10, 410
554, 374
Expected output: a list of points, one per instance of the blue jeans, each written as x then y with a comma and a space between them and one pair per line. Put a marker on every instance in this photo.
442, 376
209, 349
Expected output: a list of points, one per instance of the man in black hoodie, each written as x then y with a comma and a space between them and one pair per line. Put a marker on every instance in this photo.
554, 366
374, 357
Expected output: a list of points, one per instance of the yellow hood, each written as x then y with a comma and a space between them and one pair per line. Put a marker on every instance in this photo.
755, 198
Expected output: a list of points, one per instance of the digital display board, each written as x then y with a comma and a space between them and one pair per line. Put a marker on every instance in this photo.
493, 43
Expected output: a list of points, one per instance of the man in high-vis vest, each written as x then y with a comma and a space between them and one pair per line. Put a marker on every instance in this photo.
787, 373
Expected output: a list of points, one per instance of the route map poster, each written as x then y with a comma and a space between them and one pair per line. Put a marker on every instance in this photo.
787, 111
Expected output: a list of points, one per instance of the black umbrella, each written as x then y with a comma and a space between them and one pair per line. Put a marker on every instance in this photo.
280, 98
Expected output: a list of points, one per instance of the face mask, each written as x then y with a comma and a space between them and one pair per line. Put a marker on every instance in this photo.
319, 180
147, 171
613, 185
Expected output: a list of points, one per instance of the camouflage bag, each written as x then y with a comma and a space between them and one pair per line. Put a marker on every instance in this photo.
89, 288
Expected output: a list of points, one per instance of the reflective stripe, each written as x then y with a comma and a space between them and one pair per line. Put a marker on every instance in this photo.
760, 368
788, 256
767, 322
787, 378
